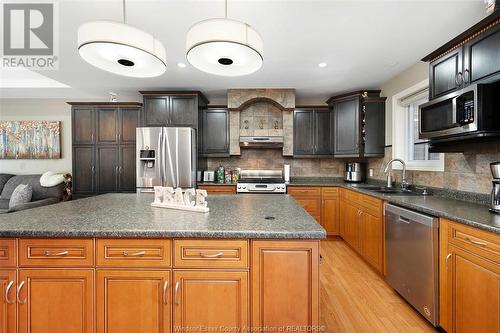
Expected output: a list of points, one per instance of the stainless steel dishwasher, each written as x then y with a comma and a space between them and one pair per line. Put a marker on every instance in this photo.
411, 241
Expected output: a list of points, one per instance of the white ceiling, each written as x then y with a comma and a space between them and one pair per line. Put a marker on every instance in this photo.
365, 43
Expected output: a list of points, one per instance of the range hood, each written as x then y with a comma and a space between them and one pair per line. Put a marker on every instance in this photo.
261, 141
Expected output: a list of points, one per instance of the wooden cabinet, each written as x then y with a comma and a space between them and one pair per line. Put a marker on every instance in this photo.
104, 147
285, 283
8, 316
312, 132
362, 226
444, 74
215, 132
189, 253
56, 300
309, 198
469, 279
172, 108
218, 189
42, 252
358, 122
482, 56
217, 299
133, 301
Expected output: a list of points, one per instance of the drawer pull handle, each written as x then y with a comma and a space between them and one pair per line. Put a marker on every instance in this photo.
176, 293
476, 242
216, 255
58, 254
165, 286
19, 292
447, 258
135, 254
6, 293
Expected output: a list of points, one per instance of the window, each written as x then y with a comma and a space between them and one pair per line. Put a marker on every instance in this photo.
406, 143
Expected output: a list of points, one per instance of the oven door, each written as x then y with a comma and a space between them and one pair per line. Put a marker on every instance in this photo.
454, 113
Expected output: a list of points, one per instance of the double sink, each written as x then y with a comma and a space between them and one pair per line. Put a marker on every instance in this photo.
389, 190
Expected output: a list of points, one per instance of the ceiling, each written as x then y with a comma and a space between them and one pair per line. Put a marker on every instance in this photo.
364, 43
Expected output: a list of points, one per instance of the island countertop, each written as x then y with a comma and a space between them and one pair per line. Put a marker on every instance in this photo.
124, 215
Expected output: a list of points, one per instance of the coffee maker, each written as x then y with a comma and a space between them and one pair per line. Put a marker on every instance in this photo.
354, 172
495, 192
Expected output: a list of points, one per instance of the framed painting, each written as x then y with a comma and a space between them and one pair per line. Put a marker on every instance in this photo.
30, 139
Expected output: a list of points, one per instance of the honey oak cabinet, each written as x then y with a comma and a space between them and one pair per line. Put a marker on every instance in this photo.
8, 284
211, 299
218, 189
349, 223
285, 283
133, 301
469, 279
55, 300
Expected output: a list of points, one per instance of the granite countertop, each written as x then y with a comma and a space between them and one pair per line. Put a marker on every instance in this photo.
130, 215
466, 212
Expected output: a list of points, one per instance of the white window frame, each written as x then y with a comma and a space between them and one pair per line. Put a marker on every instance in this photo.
400, 133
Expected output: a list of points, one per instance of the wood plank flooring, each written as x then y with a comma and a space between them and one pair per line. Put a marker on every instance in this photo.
355, 299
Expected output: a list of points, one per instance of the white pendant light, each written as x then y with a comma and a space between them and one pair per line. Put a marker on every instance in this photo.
224, 47
121, 49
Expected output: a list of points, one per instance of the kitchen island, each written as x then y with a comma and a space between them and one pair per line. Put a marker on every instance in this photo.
113, 263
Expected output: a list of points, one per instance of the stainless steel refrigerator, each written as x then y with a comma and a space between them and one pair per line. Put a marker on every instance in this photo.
166, 156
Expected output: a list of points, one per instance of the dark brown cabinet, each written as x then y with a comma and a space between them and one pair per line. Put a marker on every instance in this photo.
445, 74
170, 108
312, 131
482, 56
214, 132
104, 147
358, 122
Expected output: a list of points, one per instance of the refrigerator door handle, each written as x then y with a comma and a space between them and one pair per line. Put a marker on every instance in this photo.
160, 157
164, 151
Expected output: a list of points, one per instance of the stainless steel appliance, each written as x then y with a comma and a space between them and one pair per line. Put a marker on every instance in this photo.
354, 172
261, 181
466, 113
166, 156
411, 254
261, 141
495, 191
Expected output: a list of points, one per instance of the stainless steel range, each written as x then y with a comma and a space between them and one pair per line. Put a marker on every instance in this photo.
261, 181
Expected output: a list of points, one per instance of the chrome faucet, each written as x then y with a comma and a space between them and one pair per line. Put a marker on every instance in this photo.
404, 182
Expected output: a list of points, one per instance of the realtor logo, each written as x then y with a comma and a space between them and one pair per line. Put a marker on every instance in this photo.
29, 35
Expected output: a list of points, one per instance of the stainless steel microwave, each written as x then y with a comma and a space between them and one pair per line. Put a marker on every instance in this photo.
471, 110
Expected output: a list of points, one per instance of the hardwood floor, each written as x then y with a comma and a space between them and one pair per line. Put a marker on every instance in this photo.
355, 299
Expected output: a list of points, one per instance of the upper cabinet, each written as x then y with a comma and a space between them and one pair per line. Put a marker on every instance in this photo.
170, 108
312, 133
358, 123
469, 58
214, 132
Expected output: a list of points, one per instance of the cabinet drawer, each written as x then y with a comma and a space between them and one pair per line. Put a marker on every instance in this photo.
350, 196
373, 205
8, 253
302, 191
211, 253
219, 189
133, 252
56, 252
312, 206
480, 242
329, 192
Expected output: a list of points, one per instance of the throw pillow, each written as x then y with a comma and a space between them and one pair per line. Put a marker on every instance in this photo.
21, 195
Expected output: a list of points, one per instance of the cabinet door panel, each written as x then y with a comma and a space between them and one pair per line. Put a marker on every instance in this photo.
156, 111
84, 170
215, 132
57, 301
346, 127
183, 111
107, 169
285, 283
129, 121
330, 216
303, 138
483, 55
211, 299
133, 301
349, 224
83, 125
371, 235
374, 114
126, 172
322, 132
107, 125
443, 73
8, 311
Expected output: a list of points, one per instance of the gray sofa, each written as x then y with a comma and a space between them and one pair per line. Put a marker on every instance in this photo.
41, 195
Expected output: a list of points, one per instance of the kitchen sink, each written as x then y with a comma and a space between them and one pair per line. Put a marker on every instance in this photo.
385, 190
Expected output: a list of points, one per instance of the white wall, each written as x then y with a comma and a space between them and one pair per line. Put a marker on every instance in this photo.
39, 109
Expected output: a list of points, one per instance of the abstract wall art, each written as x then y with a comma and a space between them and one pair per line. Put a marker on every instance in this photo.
30, 139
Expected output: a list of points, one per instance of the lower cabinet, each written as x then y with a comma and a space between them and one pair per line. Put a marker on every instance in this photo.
8, 284
218, 189
285, 284
349, 224
211, 299
469, 279
55, 300
330, 210
133, 301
